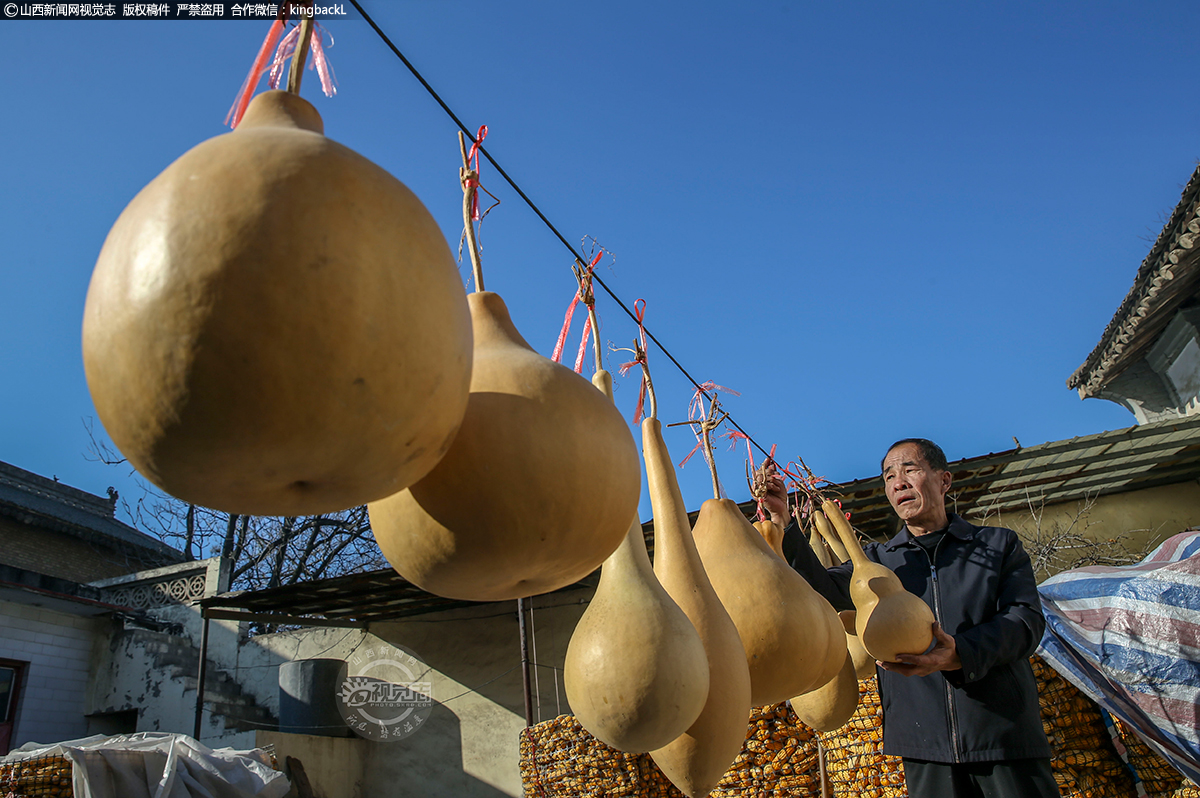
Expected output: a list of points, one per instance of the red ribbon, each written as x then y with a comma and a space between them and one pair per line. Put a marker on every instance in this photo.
473, 155
556, 356
234, 117
583, 342
640, 314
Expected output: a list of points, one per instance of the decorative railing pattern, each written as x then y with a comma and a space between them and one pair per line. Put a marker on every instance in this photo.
145, 595
184, 583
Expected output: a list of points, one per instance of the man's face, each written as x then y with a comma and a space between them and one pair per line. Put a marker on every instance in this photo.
916, 491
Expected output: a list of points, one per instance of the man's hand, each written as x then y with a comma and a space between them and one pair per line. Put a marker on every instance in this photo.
942, 657
776, 500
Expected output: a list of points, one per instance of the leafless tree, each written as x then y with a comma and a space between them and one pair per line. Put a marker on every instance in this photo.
1058, 545
265, 552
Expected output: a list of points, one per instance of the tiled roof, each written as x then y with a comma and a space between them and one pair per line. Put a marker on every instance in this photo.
47, 503
1167, 278
1135, 458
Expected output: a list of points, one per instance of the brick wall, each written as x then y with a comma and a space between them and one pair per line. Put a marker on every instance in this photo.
58, 648
57, 554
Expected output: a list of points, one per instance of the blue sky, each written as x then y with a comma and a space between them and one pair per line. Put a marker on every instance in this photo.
873, 220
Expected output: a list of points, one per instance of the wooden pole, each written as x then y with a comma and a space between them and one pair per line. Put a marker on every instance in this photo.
525, 662
201, 672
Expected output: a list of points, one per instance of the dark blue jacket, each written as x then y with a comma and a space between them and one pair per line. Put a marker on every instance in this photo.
982, 591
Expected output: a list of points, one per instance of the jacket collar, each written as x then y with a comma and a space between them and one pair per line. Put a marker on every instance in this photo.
958, 528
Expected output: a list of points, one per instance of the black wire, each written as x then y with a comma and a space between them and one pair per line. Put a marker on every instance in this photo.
595, 278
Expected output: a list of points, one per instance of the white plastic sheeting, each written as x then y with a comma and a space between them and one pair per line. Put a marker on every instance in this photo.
161, 765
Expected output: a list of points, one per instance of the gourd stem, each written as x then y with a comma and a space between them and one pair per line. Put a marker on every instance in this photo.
469, 179
300, 55
649, 384
595, 333
712, 464
707, 425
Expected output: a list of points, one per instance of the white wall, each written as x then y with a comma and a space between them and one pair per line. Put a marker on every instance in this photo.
54, 685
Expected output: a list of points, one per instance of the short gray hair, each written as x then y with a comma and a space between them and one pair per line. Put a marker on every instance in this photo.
935, 458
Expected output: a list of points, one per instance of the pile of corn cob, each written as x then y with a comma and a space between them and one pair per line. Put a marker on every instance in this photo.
1085, 763
43, 777
1159, 778
854, 759
778, 760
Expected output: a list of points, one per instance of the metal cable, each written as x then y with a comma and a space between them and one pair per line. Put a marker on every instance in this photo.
542, 216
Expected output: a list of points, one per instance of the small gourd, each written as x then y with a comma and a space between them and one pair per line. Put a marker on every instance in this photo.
276, 326
821, 525
830, 705
864, 663
696, 759
636, 673
772, 534
820, 548
793, 640
890, 620
536, 490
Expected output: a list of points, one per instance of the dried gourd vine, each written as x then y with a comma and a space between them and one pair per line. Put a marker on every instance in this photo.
703, 427
300, 56
469, 178
587, 295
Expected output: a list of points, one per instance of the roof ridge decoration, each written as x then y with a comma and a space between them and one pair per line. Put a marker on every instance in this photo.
1180, 238
38, 485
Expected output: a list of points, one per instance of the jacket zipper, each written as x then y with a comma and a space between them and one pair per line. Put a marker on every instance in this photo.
937, 612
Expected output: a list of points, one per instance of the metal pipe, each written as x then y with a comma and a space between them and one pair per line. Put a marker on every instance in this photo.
200, 676
525, 662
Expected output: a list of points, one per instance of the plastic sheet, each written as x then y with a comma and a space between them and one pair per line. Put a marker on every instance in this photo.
1129, 637
160, 765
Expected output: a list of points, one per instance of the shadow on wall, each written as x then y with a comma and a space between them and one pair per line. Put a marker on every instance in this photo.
480, 648
426, 764
429, 763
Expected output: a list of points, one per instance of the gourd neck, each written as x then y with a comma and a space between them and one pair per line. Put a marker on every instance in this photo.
491, 321
672, 532
283, 109
833, 514
630, 560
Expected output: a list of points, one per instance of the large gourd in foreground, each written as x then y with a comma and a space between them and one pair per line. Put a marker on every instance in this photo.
791, 635
636, 674
696, 760
537, 489
889, 620
276, 326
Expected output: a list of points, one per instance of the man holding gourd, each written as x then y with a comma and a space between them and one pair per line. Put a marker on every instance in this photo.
963, 715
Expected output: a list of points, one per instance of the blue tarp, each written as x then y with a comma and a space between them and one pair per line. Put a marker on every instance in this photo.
1129, 637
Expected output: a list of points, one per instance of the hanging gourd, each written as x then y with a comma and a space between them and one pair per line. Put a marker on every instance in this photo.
790, 633
821, 527
275, 325
636, 674
830, 705
538, 486
864, 663
696, 759
771, 534
889, 620
821, 549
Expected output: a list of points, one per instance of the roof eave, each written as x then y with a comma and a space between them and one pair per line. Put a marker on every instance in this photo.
1174, 255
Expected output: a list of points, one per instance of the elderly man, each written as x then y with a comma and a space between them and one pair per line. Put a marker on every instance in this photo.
963, 715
